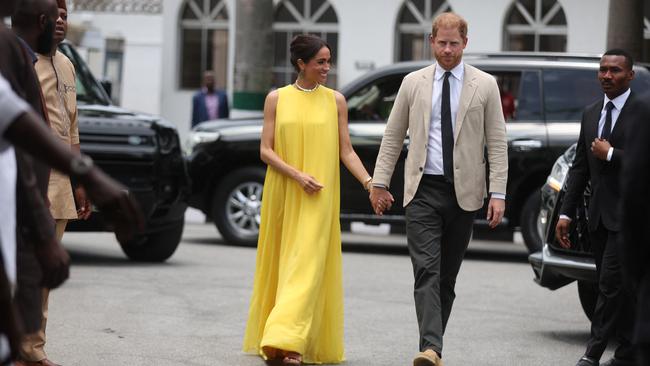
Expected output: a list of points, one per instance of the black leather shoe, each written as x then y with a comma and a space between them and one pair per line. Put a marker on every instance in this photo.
619, 362
587, 361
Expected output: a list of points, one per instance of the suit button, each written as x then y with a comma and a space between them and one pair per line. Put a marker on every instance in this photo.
421, 169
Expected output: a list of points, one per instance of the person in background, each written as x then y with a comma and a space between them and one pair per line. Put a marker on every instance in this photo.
209, 103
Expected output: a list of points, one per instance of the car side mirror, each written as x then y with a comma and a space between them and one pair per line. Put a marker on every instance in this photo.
108, 87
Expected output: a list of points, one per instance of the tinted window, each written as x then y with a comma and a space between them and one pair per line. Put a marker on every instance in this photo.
568, 92
374, 101
520, 95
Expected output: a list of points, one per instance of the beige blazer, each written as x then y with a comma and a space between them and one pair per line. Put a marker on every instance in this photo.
479, 124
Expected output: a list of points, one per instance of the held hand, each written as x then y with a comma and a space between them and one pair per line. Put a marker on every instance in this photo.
114, 201
308, 183
495, 210
600, 148
562, 233
381, 200
83, 203
55, 263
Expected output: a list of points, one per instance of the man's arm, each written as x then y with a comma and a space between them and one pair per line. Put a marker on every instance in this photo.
394, 134
31, 134
497, 151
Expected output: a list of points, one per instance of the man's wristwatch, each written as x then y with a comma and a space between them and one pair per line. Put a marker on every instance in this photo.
81, 165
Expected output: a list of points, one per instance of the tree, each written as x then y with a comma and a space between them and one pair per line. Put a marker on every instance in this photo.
253, 54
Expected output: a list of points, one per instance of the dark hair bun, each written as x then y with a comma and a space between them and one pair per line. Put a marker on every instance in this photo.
304, 47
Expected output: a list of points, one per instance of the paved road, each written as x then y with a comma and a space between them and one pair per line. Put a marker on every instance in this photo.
192, 309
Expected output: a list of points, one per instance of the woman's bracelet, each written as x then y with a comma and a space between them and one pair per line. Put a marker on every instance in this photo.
367, 183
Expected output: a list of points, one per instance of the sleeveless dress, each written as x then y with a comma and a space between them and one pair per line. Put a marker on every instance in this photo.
297, 301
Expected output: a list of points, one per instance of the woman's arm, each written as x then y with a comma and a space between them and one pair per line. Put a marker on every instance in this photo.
349, 158
270, 157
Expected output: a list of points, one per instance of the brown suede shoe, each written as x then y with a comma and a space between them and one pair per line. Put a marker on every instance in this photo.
427, 358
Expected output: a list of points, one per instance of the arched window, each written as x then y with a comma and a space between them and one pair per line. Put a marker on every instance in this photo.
535, 25
293, 17
204, 41
414, 26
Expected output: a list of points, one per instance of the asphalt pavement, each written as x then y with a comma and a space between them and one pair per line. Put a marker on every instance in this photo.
192, 309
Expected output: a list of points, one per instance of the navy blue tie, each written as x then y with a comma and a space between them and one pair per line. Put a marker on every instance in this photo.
607, 128
447, 131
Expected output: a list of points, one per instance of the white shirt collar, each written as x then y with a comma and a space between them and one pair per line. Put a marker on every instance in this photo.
619, 101
458, 71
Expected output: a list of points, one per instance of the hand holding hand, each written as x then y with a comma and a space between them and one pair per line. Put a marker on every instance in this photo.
381, 200
600, 148
308, 183
83, 203
562, 233
495, 211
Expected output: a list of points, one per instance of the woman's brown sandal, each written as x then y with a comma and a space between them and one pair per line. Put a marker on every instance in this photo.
292, 359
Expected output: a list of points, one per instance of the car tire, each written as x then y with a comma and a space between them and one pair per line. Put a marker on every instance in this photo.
588, 293
156, 246
528, 222
236, 206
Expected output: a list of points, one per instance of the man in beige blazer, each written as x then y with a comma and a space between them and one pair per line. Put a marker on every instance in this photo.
452, 113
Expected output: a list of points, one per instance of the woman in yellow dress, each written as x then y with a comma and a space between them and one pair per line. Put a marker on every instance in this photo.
296, 310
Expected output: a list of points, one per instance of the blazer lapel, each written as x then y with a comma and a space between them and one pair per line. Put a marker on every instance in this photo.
466, 95
426, 86
594, 118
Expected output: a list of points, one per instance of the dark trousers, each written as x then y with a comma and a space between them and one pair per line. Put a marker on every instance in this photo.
614, 313
642, 323
437, 232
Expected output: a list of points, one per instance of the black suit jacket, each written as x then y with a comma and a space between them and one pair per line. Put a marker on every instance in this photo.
604, 175
635, 202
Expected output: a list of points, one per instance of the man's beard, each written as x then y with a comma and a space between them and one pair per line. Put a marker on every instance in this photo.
45, 41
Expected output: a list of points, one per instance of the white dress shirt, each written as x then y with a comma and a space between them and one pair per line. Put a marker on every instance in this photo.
434, 164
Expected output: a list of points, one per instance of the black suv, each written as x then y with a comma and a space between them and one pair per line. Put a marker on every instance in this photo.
140, 151
542, 97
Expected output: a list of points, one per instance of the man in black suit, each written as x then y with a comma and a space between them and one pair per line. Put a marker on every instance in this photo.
635, 241
599, 159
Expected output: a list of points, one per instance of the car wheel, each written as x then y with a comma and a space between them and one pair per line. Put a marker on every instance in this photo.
237, 204
588, 293
156, 246
528, 222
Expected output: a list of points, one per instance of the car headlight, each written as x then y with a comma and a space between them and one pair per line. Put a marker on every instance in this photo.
558, 174
200, 137
167, 141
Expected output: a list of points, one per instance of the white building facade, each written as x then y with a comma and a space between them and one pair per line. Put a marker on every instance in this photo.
154, 51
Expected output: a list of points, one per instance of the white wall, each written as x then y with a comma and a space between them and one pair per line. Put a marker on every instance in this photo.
142, 63
587, 25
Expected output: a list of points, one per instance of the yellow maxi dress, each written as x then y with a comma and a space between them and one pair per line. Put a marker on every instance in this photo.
297, 301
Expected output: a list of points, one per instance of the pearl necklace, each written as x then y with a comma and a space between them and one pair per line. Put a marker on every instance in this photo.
305, 89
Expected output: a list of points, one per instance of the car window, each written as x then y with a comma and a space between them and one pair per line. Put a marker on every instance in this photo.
374, 101
520, 95
568, 92
89, 90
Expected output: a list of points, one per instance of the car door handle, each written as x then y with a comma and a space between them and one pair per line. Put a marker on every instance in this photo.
526, 145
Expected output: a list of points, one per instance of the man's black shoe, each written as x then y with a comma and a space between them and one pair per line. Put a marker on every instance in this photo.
619, 362
587, 361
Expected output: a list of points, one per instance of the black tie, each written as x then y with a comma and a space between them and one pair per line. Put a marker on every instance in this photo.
607, 128
447, 131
